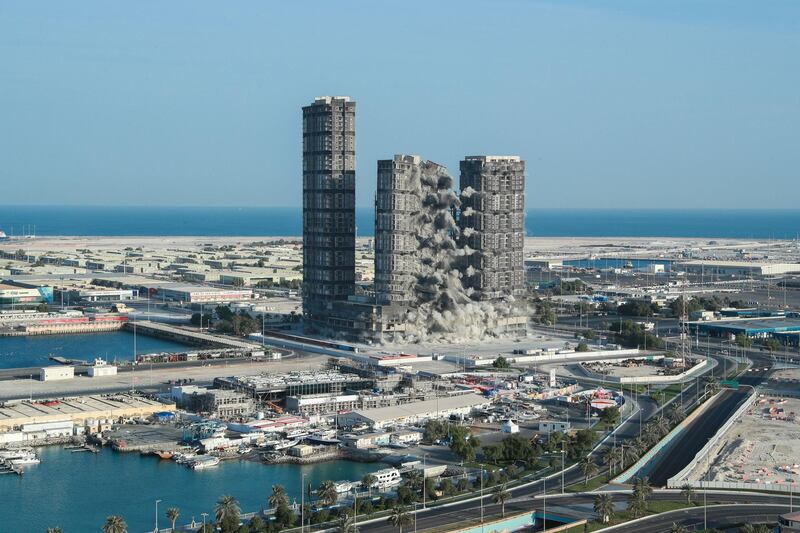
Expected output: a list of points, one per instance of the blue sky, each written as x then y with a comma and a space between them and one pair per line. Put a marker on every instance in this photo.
689, 103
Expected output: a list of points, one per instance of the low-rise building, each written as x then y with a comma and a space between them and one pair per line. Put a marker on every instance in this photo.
54, 373
414, 412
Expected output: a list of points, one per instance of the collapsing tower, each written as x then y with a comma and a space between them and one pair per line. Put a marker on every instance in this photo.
492, 224
436, 279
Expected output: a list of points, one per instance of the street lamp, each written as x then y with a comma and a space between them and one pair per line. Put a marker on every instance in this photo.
302, 501
157, 502
204, 521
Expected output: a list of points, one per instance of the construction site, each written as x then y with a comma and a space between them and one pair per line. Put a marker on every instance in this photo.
760, 447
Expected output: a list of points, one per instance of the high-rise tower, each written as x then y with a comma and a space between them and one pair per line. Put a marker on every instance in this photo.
492, 223
329, 225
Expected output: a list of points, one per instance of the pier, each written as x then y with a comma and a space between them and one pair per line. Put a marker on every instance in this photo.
185, 336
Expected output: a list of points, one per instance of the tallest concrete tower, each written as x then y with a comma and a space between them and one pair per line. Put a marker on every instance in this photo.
329, 197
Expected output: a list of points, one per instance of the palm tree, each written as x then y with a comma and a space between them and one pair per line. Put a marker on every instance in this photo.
612, 457
278, 497
687, 491
399, 517
346, 524
327, 492
755, 528
414, 480
636, 506
678, 528
368, 481
501, 495
115, 524
642, 488
677, 414
604, 506
227, 509
172, 515
588, 467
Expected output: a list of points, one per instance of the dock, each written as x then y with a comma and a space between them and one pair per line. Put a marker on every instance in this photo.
187, 336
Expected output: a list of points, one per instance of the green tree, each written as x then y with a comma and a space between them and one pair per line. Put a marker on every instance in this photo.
604, 507
678, 528
368, 481
327, 493
772, 344
115, 524
642, 490
501, 495
687, 491
227, 513
755, 528
278, 497
501, 362
582, 347
610, 416
447, 487
399, 517
346, 524
744, 341
636, 507
462, 443
172, 515
588, 468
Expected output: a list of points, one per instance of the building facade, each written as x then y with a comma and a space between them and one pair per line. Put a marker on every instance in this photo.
492, 223
329, 179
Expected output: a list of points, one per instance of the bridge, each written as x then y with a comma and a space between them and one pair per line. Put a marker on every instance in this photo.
187, 336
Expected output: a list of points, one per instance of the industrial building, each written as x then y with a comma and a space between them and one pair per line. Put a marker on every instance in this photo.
277, 387
754, 328
739, 268
55, 373
414, 412
17, 296
329, 179
78, 410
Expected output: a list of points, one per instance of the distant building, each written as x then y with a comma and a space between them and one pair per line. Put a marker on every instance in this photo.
414, 412
329, 226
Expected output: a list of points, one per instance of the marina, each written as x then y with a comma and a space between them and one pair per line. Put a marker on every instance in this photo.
67, 481
35, 351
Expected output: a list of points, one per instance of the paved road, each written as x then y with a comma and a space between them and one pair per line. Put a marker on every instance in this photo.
528, 499
688, 443
718, 517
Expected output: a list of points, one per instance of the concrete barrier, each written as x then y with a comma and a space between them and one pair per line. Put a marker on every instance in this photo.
679, 479
663, 443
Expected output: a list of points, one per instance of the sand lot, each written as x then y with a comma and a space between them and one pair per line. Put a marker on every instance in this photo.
763, 446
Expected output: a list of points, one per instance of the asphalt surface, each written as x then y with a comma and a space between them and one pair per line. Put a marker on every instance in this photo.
673, 458
528, 500
719, 517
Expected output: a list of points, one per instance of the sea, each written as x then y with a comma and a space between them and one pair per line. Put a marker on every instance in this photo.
34, 351
77, 491
287, 221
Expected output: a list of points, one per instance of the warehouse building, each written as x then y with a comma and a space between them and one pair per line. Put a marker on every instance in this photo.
739, 268
412, 413
755, 328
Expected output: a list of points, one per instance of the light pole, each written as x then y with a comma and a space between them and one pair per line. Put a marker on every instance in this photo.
157, 502
302, 501
544, 504
424, 479
481, 499
563, 461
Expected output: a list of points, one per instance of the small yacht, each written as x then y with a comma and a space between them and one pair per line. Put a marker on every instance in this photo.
203, 462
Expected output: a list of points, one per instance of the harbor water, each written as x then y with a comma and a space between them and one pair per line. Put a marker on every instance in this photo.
17, 352
77, 491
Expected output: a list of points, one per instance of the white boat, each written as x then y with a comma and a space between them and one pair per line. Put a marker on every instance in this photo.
16, 453
387, 477
296, 433
24, 461
182, 458
203, 462
285, 443
3, 235
323, 437
343, 486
